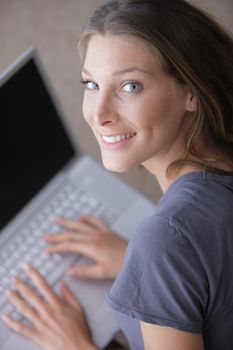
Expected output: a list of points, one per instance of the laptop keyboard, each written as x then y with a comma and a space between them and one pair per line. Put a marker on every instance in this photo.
28, 247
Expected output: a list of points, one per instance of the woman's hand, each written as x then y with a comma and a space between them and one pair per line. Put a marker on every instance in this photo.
92, 238
58, 323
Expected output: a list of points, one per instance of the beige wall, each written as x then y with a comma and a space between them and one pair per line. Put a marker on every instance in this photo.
53, 26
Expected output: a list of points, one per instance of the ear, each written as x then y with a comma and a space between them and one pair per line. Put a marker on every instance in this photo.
192, 102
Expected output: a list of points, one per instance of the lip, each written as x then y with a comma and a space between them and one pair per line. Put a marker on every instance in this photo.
116, 133
118, 144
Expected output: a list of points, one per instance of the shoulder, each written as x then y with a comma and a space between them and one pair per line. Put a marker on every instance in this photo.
154, 285
196, 209
159, 260
169, 263
154, 236
169, 224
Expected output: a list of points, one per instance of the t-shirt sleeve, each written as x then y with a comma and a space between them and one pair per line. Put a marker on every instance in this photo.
163, 281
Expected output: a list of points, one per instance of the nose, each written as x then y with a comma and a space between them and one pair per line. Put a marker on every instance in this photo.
105, 110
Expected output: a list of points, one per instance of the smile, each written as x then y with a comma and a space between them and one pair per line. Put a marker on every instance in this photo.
117, 138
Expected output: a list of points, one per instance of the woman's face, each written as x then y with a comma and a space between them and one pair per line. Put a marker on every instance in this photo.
136, 111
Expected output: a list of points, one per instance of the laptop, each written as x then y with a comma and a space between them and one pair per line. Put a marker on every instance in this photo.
44, 175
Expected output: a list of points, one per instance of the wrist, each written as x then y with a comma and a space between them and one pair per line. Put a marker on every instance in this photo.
91, 347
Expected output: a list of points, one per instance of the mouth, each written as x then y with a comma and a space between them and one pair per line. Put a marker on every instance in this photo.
117, 138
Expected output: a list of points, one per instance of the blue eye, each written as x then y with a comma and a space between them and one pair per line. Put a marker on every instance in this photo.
132, 87
90, 85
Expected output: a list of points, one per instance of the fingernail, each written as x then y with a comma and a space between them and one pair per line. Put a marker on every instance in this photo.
58, 218
8, 293
46, 237
62, 284
26, 267
14, 280
4, 318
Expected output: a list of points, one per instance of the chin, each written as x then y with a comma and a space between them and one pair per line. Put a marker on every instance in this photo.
116, 166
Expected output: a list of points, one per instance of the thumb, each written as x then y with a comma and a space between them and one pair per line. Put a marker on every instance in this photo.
92, 271
70, 296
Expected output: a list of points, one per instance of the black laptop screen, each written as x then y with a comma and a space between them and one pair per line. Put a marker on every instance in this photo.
33, 142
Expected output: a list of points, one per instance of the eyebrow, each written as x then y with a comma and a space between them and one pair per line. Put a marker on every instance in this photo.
123, 71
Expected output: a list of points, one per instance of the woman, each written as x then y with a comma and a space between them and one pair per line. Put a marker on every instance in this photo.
159, 93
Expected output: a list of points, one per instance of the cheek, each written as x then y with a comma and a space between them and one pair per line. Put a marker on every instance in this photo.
148, 109
87, 109
159, 111
146, 114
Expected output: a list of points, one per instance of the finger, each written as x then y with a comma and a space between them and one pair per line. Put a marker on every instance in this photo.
28, 294
73, 225
86, 272
20, 328
64, 247
85, 226
69, 296
65, 237
94, 221
82, 248
86, 249
23, 307
42, 286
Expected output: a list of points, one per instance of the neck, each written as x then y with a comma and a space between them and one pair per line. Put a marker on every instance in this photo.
158, 168
163, 179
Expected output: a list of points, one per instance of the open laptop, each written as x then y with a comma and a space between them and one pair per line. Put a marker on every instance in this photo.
42, 176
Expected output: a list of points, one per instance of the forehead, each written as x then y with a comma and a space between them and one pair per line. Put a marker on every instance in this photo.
118, 51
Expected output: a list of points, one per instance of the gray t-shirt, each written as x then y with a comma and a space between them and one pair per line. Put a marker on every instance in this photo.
178, 268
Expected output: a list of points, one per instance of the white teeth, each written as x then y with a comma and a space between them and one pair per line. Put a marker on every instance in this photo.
118, 138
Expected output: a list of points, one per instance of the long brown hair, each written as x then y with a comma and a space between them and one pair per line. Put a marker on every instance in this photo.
194, 49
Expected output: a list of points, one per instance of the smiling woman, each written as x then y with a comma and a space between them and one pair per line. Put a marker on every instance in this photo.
163, 72
137, 98
158, 78
174, 40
